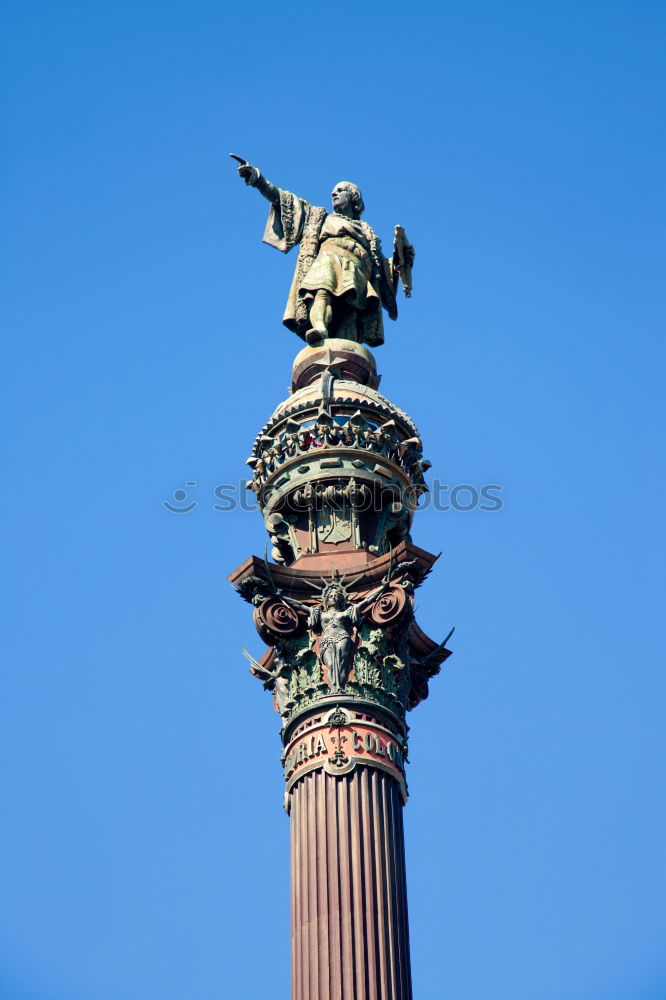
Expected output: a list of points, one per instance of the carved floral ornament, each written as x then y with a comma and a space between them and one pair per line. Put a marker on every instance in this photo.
373, 514
276, 448
378, 408
354, 493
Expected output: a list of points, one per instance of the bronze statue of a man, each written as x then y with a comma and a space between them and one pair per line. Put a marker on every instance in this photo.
342, 279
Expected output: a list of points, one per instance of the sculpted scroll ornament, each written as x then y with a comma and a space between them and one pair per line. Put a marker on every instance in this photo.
390, 607
275, 620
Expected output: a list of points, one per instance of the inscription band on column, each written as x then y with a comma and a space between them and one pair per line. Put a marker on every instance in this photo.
338, 744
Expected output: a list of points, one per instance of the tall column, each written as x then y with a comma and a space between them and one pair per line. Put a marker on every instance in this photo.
338, 471
349, 928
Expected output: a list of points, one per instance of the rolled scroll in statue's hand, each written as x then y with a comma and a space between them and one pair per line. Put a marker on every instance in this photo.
403, 259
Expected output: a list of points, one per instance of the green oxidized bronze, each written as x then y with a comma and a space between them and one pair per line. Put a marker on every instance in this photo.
342, 278
369, 648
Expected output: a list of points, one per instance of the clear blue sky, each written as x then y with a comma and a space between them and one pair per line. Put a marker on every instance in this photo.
143, 848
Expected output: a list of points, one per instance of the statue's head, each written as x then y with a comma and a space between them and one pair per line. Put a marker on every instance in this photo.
334, 598
347, 199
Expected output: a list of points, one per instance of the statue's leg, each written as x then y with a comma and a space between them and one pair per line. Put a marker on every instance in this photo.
331, 661
321, 314
347, 328
345, 655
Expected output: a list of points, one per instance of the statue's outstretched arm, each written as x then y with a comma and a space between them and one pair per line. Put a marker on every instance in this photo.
377, 592
254, 178
294, 603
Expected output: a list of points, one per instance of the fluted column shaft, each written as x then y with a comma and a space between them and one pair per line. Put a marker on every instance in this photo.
349, 927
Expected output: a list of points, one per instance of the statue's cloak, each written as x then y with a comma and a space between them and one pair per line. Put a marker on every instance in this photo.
294, 221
